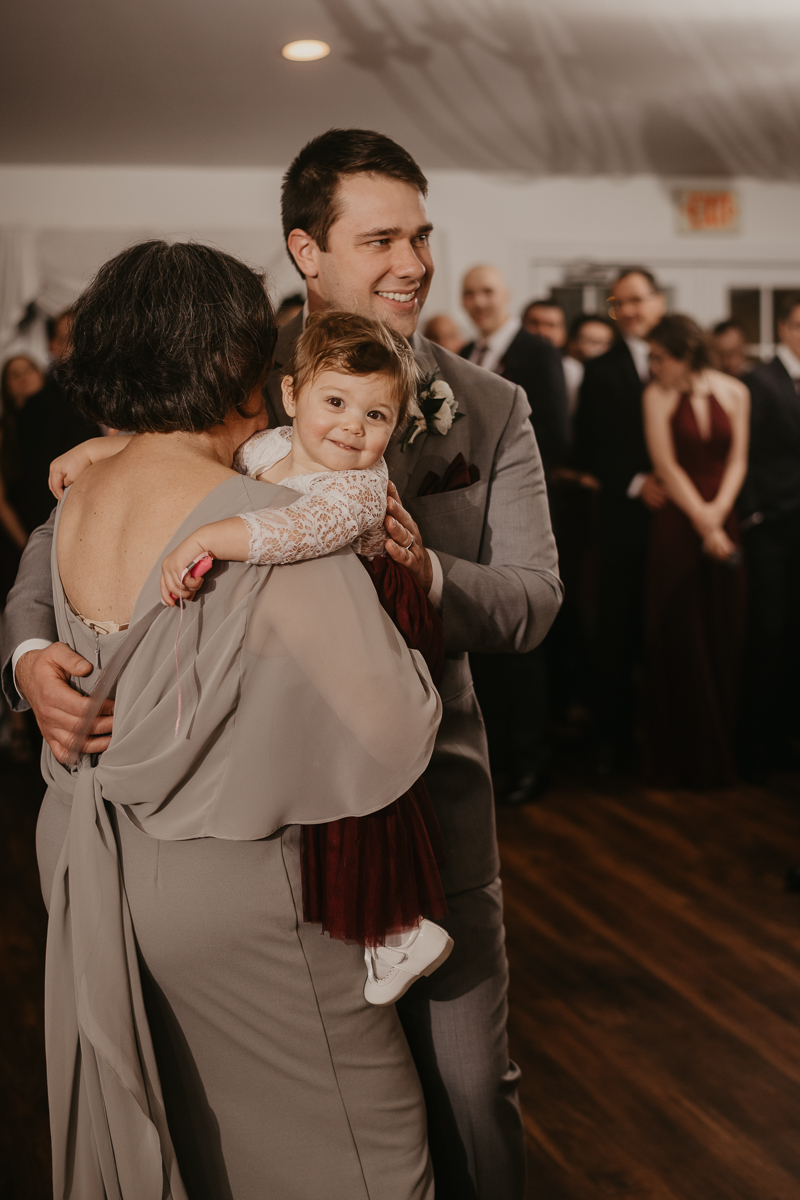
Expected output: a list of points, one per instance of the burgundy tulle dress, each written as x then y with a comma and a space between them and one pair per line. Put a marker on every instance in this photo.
366, 877
694, 625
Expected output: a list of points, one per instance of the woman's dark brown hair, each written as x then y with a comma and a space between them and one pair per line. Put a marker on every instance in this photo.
682, 338
167, 338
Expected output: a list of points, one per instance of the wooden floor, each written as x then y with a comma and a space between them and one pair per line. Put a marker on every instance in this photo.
655, 965
655, 1004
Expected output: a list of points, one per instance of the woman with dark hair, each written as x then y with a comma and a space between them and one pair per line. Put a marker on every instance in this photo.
697, 428
201, 1040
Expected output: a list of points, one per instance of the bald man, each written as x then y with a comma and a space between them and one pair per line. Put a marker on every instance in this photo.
443, 330
512, 689
503, 346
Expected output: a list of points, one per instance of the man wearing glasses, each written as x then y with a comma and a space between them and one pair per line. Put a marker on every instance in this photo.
610, 444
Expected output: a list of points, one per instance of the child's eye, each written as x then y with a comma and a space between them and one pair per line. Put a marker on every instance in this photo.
336, 401
376, 416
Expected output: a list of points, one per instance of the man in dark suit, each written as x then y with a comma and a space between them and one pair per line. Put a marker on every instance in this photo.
47, 426
610, 445
512, 689
521, 357
770, 507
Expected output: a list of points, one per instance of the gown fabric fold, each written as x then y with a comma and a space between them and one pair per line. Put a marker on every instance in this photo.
366, 877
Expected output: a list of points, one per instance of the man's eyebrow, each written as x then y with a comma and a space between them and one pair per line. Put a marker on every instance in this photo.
394, 231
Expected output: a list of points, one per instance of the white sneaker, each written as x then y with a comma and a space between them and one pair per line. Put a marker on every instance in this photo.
391, 970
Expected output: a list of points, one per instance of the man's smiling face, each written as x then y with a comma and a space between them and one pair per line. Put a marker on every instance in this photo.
378, 259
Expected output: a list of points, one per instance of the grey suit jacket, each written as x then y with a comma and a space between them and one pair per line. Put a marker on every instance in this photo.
501, 587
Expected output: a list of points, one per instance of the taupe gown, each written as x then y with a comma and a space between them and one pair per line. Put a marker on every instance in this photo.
201, 1041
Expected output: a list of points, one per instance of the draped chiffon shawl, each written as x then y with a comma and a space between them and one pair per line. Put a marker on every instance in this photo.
300, 704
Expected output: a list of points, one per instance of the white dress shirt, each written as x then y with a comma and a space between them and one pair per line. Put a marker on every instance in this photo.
573, 377
488, 352
640, 353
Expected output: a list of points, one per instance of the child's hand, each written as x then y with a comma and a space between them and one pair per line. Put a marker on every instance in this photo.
173, 566
65, 469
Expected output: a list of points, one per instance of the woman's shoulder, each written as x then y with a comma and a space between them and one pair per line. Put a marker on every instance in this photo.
728, 391
658, 398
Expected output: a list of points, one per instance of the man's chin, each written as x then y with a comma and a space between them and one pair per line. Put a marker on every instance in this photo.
402, 321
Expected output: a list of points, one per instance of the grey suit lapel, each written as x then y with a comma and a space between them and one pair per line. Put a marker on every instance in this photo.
401, 463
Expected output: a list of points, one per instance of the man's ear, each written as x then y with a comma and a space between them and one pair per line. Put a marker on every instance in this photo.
305, 252
287, 391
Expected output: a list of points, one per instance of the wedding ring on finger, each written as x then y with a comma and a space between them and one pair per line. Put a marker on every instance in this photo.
409, 544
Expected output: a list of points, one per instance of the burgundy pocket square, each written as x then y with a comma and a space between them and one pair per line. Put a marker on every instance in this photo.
457, 475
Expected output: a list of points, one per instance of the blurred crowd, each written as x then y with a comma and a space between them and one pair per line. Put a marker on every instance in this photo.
37, 423
672, 465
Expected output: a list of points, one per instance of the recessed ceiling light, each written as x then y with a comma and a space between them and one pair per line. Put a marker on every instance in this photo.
305, 51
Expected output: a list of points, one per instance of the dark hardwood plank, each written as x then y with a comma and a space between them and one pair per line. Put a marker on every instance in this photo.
655, 998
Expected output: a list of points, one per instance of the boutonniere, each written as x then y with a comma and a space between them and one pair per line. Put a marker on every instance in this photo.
437, 410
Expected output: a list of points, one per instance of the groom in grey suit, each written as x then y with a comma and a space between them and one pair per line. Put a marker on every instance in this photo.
356, 227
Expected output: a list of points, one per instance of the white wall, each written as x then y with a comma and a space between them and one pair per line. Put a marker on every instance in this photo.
532, 229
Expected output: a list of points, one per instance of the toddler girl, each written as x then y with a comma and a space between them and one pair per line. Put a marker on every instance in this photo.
350, 383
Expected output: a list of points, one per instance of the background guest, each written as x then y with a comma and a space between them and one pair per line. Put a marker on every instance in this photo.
730, 348
546, 319
589, 336
512, 689
573, 505
22, 378
444, 331
47, 426
521, 357
696, 425
610, 445
770, 507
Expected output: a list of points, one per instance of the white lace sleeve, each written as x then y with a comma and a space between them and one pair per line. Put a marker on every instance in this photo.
337, 508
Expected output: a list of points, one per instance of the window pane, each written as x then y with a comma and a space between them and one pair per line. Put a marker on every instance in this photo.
745, 306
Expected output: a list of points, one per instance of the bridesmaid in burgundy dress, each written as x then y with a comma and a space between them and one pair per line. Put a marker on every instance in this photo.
697, 426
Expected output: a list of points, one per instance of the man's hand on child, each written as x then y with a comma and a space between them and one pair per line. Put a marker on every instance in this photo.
404, 544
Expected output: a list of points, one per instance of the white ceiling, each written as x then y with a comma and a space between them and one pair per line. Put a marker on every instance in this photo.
679, 87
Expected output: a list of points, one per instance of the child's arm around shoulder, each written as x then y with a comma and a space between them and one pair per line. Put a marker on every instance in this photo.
339, 507
65, 469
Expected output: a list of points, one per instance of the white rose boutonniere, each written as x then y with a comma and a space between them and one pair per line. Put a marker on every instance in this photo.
437, 411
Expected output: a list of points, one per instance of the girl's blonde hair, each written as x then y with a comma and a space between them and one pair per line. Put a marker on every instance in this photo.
356, 345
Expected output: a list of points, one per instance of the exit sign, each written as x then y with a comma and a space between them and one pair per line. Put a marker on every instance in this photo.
701, 211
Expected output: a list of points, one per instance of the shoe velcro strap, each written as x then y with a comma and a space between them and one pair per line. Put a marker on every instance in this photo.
390, 956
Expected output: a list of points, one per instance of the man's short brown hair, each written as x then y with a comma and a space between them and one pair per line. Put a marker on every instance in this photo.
356, 345
308, 195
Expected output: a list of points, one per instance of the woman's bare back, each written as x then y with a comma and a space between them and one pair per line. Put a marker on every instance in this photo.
121, 513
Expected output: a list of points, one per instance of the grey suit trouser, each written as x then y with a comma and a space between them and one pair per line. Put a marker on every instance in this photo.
455, 1023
